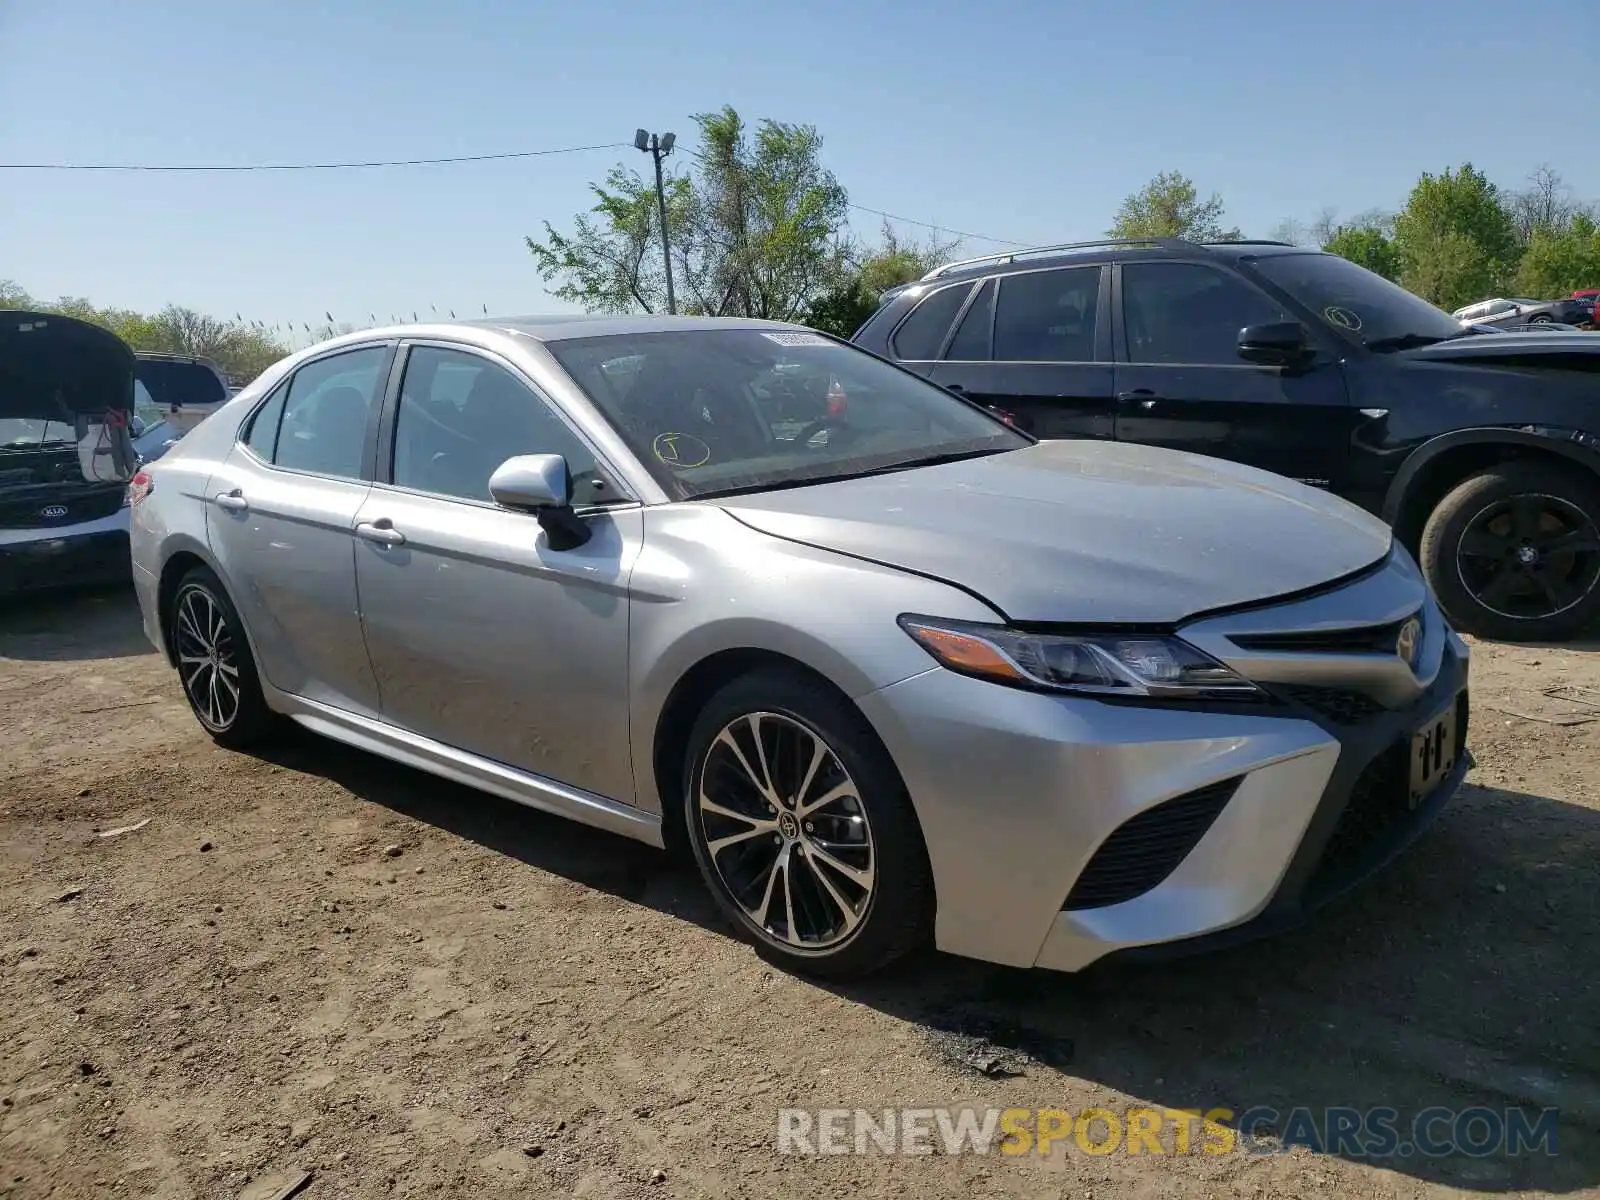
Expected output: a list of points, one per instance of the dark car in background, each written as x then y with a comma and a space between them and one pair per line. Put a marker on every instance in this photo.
1570, 310
1482, 451
79, 412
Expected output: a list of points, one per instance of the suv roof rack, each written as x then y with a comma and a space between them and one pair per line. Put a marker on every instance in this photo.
1032, 251
1168, 243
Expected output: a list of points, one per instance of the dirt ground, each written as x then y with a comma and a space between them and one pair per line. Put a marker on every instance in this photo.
252, 984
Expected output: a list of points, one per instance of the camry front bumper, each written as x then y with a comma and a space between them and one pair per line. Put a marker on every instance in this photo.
1062, 829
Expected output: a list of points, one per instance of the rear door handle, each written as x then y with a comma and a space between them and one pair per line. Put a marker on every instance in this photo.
381, 531
1143, 397
233, 501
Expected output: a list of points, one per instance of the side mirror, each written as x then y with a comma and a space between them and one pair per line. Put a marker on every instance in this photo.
541, 484
1280, 344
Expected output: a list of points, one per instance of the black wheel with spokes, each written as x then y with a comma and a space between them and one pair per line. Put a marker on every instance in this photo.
214, 662
1514, 552
802, 828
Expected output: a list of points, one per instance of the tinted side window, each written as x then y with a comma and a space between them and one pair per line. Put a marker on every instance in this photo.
1047, 316
1186, 313
263, 436
922, 333
972, 337
461, 416
324, 427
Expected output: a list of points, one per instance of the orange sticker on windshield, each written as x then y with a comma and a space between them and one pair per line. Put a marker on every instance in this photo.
681, 450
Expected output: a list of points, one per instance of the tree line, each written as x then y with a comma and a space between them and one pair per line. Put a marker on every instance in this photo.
242, 349
758, 227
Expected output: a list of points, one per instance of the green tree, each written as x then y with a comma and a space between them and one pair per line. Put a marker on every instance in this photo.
757, 230
845, 307
1558, 263
1455, 239
1169, 206
1367, 247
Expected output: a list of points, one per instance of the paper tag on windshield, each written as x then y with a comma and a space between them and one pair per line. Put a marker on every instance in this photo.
797, 339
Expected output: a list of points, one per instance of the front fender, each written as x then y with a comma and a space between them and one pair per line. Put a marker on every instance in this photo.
705, 584
1575, 444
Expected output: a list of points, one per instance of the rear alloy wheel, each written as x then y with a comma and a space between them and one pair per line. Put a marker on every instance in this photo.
1514, 552
802, 828
214, 663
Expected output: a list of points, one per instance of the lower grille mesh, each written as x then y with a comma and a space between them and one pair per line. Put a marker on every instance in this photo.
1148, 847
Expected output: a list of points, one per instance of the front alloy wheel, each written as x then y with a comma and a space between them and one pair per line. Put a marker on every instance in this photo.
802, 828
784, 829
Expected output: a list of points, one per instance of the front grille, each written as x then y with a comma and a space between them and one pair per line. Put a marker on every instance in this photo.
1379, 804
1365, 639
1339, 705
1148, 847
17, 512
1378, 810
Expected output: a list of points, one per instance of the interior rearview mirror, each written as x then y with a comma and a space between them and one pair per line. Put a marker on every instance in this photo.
541, 484
1279, 344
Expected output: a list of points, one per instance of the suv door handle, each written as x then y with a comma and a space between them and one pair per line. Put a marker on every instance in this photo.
1143, 397
233, 501
381, 531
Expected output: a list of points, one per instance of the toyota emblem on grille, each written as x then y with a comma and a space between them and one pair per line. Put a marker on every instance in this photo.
53, 512
1408, 641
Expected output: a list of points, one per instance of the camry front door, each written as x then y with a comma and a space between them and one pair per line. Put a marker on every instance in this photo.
483, 636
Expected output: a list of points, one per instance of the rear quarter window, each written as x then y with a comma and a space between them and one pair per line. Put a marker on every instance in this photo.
921, 335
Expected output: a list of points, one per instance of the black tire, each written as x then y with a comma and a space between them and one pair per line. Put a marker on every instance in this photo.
895, 916
1540, 319
199, 600
1557, 593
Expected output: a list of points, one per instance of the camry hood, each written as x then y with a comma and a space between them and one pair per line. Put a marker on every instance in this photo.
57, 368
1093, 532
1488, 348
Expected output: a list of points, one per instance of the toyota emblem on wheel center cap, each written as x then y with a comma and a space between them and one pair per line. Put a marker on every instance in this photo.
53, 512
1408, 641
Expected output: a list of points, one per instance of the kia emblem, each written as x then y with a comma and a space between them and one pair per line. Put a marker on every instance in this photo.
53, 512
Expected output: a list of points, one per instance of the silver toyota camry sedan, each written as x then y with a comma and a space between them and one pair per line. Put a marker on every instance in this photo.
894, 672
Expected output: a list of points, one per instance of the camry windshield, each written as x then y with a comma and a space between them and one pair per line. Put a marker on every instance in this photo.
716, 411
1357, 302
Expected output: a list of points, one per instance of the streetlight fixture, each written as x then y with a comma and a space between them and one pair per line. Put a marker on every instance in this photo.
658, 148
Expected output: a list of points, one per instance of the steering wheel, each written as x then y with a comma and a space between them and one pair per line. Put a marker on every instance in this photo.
803, 438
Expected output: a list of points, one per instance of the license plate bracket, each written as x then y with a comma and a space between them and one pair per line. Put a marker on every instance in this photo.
1434, 752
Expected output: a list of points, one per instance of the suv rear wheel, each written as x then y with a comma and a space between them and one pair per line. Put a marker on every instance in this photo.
1514, 552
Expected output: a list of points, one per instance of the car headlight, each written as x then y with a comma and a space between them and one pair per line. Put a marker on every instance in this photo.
1114, 664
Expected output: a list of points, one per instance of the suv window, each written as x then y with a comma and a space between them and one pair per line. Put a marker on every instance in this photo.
1047, 316
461, 416
325, 414
972, 337
922, 333
1187, 313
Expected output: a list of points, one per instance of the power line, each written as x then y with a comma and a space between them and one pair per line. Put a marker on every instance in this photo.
981, 237
314, 166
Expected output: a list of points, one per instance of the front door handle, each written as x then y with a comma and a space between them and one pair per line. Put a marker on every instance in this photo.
1143, 397
233, 501
381, 531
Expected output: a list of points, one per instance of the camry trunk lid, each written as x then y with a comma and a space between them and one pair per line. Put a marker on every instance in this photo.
1093, 532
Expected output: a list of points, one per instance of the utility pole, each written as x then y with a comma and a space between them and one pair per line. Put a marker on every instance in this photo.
658, 148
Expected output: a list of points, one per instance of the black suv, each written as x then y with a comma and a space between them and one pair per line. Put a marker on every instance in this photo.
1481, 449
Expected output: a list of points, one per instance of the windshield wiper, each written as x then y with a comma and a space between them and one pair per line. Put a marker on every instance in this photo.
1411, 341
931, 460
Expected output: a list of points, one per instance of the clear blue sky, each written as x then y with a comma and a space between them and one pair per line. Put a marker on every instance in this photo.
1026, 120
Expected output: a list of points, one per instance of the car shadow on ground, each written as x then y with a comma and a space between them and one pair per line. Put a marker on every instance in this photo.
72, 626
1464, 976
